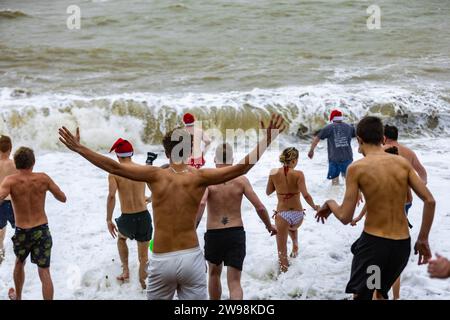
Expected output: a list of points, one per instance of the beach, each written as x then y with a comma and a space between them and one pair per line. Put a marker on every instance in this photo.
135, 67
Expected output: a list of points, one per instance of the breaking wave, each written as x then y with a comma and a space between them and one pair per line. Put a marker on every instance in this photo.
145, 117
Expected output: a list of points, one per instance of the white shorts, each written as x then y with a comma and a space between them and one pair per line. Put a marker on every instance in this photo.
181, 271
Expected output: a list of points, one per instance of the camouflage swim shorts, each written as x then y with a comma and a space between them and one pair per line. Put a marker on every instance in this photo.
37, 241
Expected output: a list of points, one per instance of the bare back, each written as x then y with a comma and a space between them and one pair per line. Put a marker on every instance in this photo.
7, 168
224, 204
383, 179
287, 189
176, 197
28, 197
131, 195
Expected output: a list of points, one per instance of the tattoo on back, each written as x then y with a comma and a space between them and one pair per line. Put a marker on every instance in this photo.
225, 220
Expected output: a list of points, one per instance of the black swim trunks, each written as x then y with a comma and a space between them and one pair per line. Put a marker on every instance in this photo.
136, 226
227, 246
37, 241
6, 214
390, 256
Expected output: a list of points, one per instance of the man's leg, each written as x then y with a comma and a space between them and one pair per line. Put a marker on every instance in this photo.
282, 236
19, 279
47, 284
396, 289
234, 283
333, 173
143, 260
214, 284
123, 253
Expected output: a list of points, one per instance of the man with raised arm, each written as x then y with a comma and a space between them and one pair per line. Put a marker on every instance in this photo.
177, 263
382, 251
27, 190
225, 235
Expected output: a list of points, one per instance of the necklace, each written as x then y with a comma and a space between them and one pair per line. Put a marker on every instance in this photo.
182, 171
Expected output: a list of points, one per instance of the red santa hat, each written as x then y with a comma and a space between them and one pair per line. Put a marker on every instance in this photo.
122, 148
336, 115
188, 119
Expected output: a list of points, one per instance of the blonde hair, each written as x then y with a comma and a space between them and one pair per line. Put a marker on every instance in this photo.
288, 155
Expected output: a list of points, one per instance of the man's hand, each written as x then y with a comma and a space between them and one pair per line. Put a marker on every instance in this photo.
311, 154
423, 249
323, 213
69, 140
439, 268
112, 229
276, 126
272, 230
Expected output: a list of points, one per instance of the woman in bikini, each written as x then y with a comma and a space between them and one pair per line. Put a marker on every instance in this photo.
288, 185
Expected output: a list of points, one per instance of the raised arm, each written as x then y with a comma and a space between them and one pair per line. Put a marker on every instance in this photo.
55, 190
131, 171
422, 247
346, 210
221, 175
304, 191
261, 210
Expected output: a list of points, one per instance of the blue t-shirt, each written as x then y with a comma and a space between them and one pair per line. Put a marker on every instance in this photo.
339, 136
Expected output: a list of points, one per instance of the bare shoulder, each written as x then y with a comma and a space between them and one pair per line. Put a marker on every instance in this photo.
402, 161
42, 176
10, 179
243, 180
299, 173
274, 171
359, 165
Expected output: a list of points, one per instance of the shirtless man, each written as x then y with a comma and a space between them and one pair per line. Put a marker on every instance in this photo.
135, 223
225, 235
6, 211
177, 263
27, 190
391, 137
201, 141
385, 243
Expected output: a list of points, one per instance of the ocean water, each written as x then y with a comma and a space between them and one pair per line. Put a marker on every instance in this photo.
134, 67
